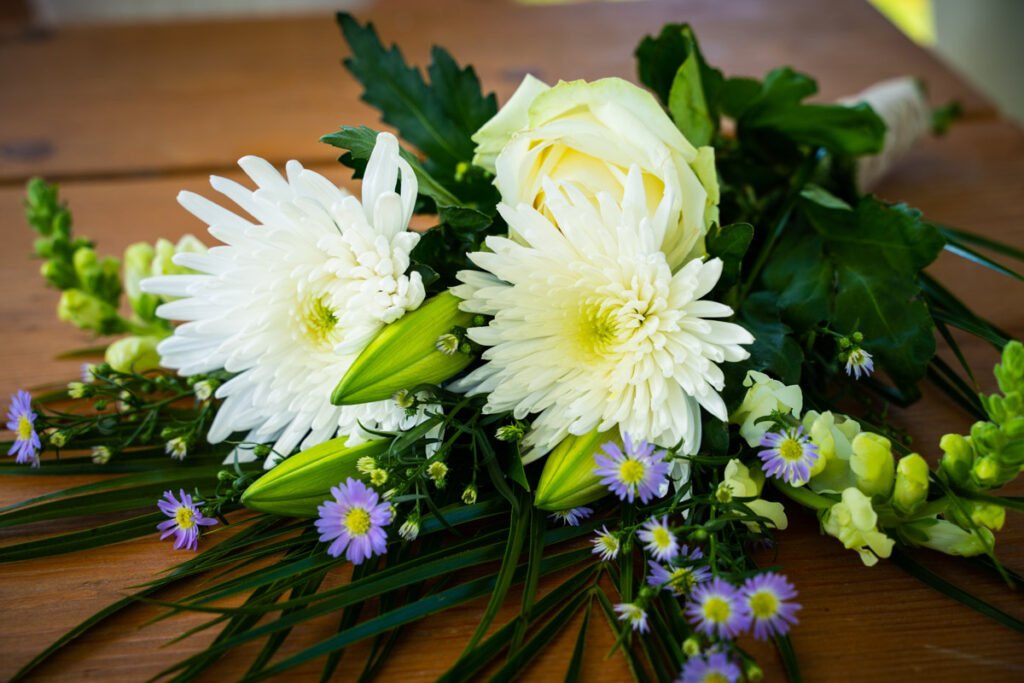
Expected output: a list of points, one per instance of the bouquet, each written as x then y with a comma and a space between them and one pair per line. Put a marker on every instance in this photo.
646, 326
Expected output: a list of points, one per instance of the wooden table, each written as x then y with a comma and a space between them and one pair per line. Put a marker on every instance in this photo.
127, 116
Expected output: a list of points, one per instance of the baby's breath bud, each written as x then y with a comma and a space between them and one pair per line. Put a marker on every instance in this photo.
754, 673
101, 455
177, 448
469, 494
404, 399
204, 389
410, 528
723, 494
100, 404
691, 647
647, 593
378, 477
58, 439
437, 471
225, 475
466, 348
261, 450
366, 464
78, 390
699, 535
857, 337
510, 433
844, 343
447, 344
479, 321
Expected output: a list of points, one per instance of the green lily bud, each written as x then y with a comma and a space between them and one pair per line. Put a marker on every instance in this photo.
88, 312
986, 472
133, 354
138, 265
568, 478
302, 482
872, 464
957, 458
911, 488
406, 353
947, 537
1010, 372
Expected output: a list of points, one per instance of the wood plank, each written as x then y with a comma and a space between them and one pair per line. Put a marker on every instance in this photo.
857, 623
157, 99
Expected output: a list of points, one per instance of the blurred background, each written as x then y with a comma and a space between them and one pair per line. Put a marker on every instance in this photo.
978, 38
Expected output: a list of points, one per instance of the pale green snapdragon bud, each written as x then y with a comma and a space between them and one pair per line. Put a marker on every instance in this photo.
872, 464
911, 488
138, 265
469, 494
957, 459
134, 354
946, 537
88, 312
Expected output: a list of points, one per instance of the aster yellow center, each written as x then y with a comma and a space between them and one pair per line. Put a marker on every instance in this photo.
681, 579
610, 543
661, 537
24, 428
318, 321
791, 450
764, 605
714, 677
184, 518
717, 610
357, 521
632, 472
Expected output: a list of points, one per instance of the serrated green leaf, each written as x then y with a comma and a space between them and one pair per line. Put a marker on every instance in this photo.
774, 348
803, 278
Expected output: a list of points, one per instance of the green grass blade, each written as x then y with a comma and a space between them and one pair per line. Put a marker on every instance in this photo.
965, 252
523, 656
928, 577
955, 347
964, 236
93, 537
535, 554
572, 674
413, 612
789, 659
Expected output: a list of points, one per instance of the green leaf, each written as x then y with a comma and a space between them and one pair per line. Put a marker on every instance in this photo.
789, 660
774, 348
438, 118
572, 674
520, 658
847, 130
729, 243
359, 142
803, 278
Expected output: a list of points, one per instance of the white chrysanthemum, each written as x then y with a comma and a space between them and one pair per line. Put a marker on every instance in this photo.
293, 297
591, 327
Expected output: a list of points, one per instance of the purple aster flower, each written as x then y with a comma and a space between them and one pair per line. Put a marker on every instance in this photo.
859, 362
185, 520
22, 421
714, 668
716, 608
789, 455
639, 471
633, 614
354, 521
606, 544
682, 575
769, 599
572, 517
658, 539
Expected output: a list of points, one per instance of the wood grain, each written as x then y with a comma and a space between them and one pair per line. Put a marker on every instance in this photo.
163, 113
155, 99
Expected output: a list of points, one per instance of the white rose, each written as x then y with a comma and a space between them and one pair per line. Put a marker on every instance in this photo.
590, 134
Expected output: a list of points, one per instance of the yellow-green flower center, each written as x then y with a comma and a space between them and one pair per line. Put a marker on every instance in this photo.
24, 428
632, 472
661, 537
717, 610
610, 543
357, 521
681, 579
714, 677
791, 450
598, 327
318, 321
764, 605
184, 518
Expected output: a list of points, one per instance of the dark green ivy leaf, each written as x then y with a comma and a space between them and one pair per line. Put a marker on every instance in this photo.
774, 348
804, 279
852, 130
